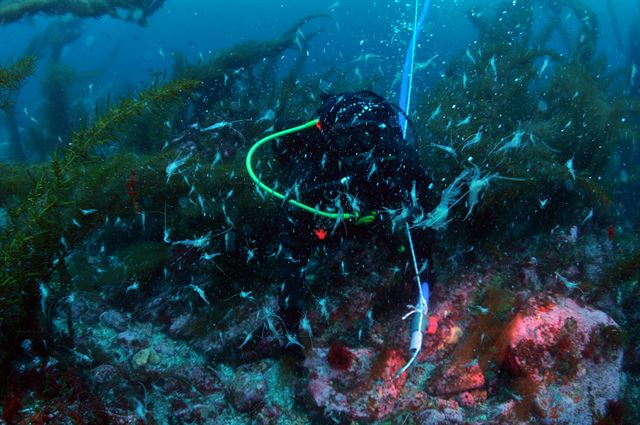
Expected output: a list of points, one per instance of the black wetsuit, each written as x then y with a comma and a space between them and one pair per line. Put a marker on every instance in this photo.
356, 159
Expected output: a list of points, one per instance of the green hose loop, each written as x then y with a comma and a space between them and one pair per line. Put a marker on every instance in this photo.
367, 219
261, 185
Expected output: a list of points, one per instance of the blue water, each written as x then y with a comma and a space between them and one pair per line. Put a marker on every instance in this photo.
119, 56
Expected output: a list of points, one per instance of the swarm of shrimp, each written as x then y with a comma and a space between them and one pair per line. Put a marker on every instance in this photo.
437, 219
478, 184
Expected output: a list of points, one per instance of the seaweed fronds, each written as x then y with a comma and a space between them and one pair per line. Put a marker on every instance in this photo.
518, 107
12, 77
15, 179
58, 106
106, 129
625, 269
138, 10
39, 233
251, 65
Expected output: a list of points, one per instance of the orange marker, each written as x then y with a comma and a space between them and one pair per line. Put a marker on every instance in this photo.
321, 233
433, 325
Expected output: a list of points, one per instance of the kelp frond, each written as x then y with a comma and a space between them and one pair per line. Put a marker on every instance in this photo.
37, 236
114, 118
137, 10
12, 77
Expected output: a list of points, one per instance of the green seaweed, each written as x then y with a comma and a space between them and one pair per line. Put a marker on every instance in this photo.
52, 40
560, 104
12, 77
625, 269
15, 179
136, 10
251, 65
138, 263
58, 107
39, 232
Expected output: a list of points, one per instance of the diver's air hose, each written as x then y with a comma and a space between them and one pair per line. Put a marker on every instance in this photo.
264, 187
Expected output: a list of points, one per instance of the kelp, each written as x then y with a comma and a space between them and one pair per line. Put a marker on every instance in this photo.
86, 175
134, 10
52, 39
15, 180
513, 106
75, 200
251, 65
218, 201
11, 78
58, 106
39, 234
243, 55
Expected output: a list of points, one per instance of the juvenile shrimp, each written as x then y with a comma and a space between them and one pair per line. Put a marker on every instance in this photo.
437, 218
478, 184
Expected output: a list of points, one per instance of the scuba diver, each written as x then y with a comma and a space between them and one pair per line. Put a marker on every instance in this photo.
347, 169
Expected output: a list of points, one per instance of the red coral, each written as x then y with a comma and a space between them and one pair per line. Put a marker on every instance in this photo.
340, 357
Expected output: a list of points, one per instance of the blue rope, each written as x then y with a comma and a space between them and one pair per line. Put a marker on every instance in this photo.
407, 73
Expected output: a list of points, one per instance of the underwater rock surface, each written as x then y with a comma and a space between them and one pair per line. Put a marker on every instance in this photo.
569, 356
363, 387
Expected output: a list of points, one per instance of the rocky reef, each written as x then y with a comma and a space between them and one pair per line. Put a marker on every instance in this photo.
138, 280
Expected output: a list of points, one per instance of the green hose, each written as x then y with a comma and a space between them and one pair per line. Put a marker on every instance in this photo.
258, 144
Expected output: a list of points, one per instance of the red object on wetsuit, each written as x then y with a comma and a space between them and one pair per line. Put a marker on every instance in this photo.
611, 232
319, 125
321, 233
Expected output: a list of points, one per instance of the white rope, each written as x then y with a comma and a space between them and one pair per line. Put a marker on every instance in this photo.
419, 308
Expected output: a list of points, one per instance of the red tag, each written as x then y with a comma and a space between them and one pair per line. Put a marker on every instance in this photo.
611, 232
319, 125
321, 233
433, 325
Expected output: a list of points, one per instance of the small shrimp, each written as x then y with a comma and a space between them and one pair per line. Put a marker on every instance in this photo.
473, 140
198, 243
437, 218
494, 68
465, 121
570, 169
198, 290
175, 165
305, 325
435, 113
470, 56
292, 340
447, 149
478, 184
218, 125
514, 143
324, 310
251, 253
246, 340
